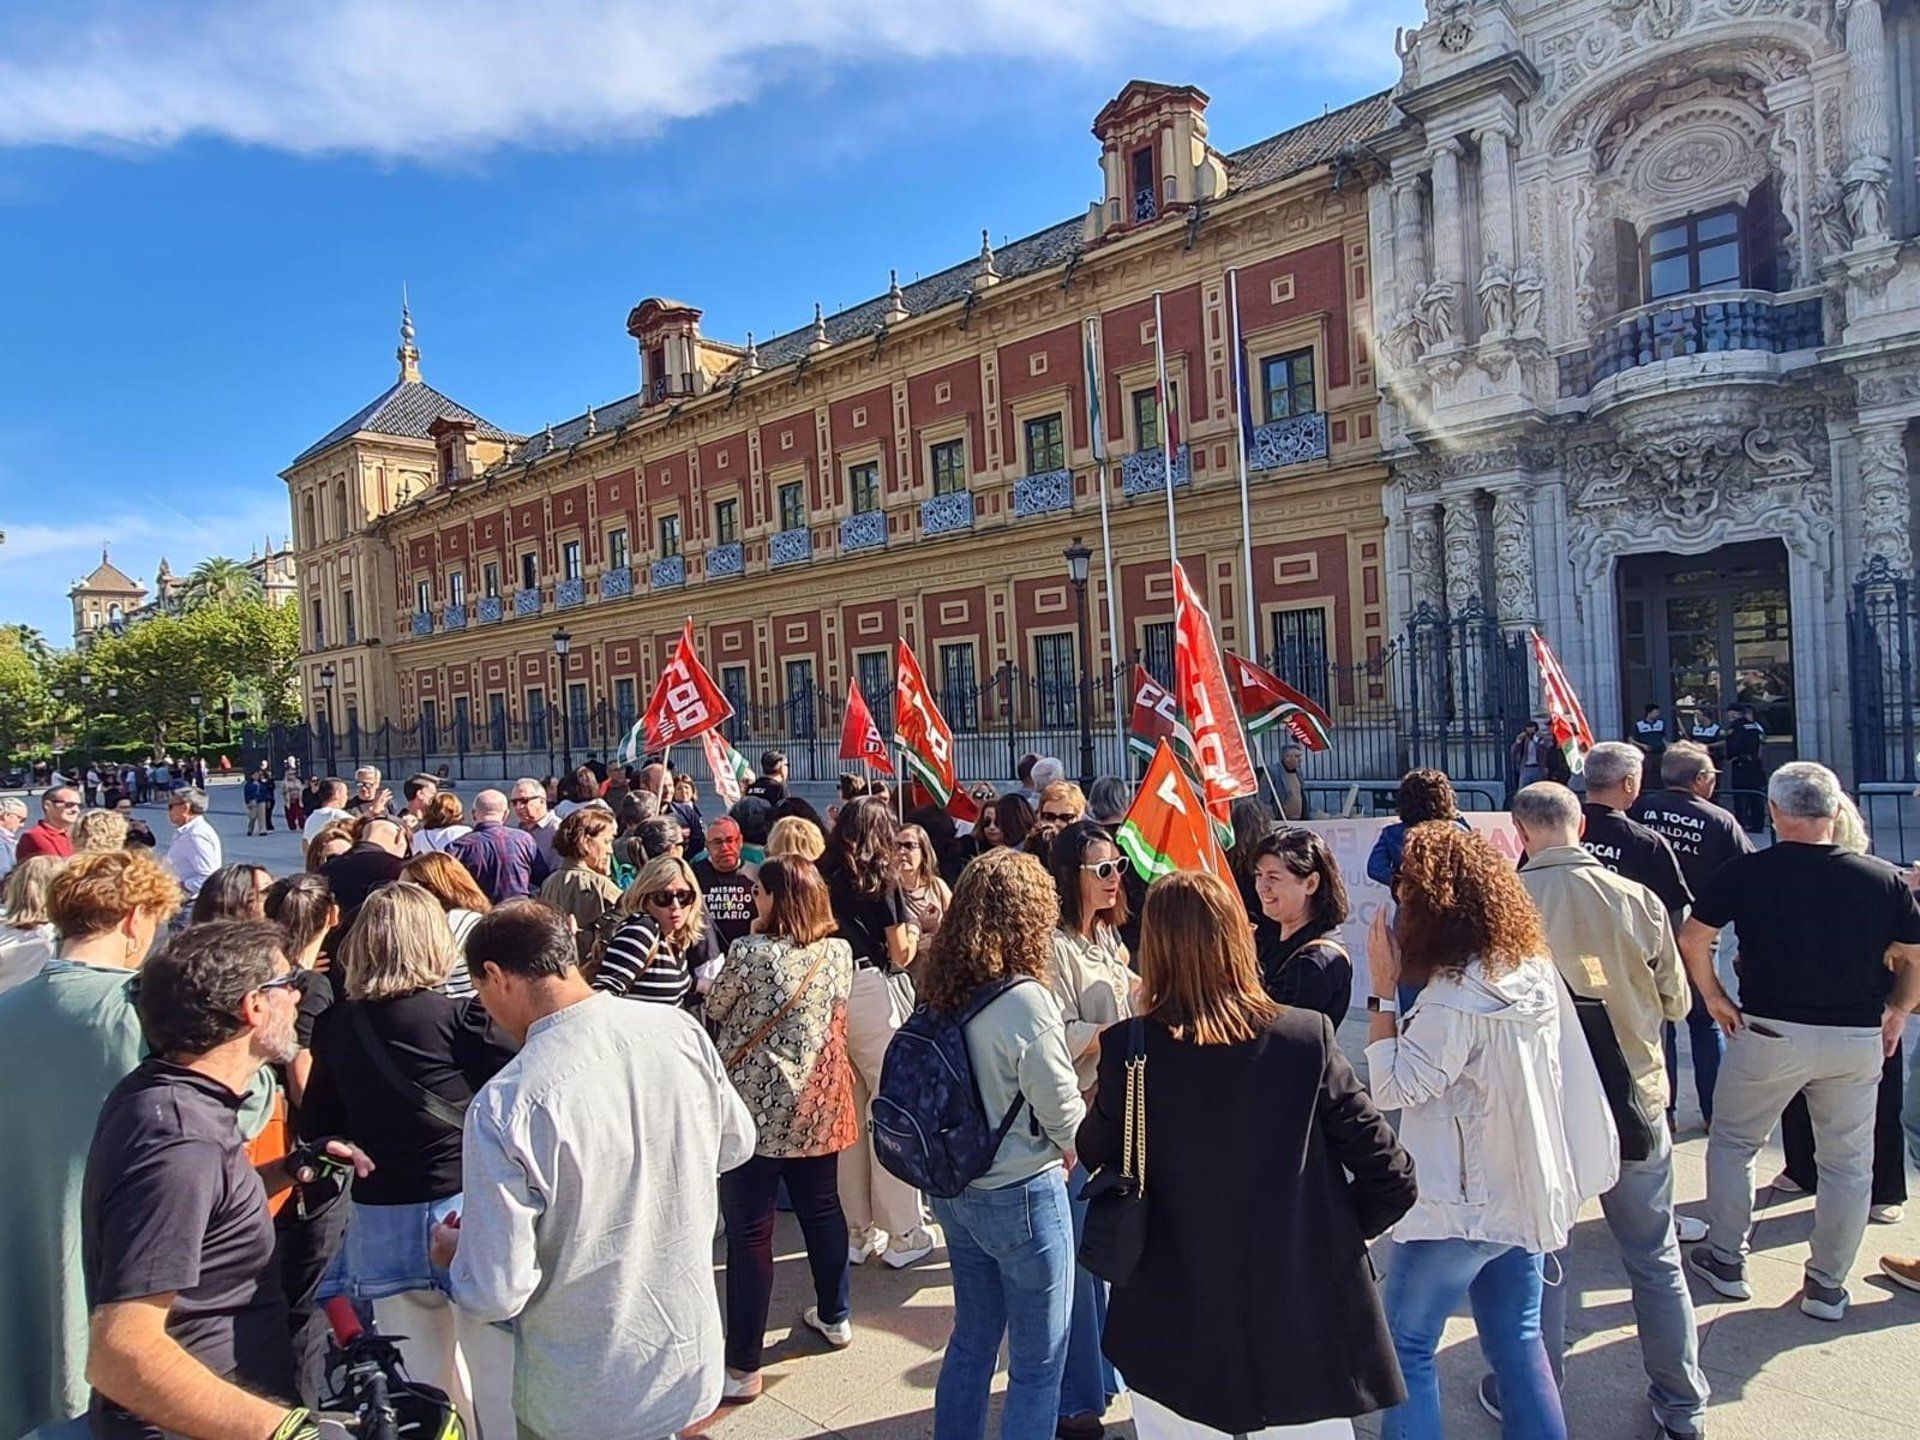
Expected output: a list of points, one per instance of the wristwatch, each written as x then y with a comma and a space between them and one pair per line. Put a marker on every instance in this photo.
1383, 1005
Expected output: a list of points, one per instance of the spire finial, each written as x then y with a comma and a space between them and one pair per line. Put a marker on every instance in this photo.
593, 422
896, 302
750, 364
986, 275
819, 340
547, 435
408, 354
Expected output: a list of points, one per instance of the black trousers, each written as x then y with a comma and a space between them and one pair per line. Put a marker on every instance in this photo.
305, 1248
746, 1199
1889, 1141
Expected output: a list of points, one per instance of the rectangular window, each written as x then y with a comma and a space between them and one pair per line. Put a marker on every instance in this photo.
429, 726
617, 558
669, 536
863, 484
949, 466
1046, 445
959, 690
1700, 252
537, 718
726, 521
462, 724
875, 669
353, 729
457, 588
570, 560
1146, 415
1057, 678
800, 699
1300, 650
490, 580
623, 707
577, 712
496, 721
1144, 208
733, 684
529, 571
346, 614
1156, 652
793, 505
1287, 382
319, 628
422, 596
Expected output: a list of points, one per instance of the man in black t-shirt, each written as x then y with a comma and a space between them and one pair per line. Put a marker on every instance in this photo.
188, 1331
771, 783
726, 885
1625, 846
1704, 837
1829, 972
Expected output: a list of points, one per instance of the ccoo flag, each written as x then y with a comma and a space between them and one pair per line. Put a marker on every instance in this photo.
685, 704
1266, 701
859, 736
1564, 716
920, 730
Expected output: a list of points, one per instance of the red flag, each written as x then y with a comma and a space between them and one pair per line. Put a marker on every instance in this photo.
961, 806
920, 730
859, 736
1154, 717
1564, 715
1266, 700
1167, 828
686, 703
1200, 691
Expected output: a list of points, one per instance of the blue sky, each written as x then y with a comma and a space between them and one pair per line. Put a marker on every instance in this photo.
207, 211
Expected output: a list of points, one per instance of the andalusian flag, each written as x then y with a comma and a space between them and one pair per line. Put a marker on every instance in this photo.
1564, 716
629, 751
731, 773
1266, 701
1167, 828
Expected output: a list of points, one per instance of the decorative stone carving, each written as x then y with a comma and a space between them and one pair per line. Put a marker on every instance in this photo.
1529, 298
1868, 171
1456, 27
1512, 558
1889, 387
1867, 181
1461, 537
1832, 228
1423, 556
1886, 499
1437, 320
1496, 298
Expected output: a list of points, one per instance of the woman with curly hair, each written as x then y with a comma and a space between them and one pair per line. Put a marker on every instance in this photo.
1424, 795
1502, 1111
100, 832
1009, 1233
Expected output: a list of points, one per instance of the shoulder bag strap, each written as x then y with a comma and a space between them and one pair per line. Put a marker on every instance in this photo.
806, 984
1133, 1125
447, 1112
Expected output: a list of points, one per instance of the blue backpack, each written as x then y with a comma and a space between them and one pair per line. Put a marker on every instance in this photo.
929, 1126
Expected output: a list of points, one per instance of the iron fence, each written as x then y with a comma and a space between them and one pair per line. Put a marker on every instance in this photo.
1883, 633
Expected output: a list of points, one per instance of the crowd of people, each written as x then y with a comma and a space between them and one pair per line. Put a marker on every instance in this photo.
498, 1071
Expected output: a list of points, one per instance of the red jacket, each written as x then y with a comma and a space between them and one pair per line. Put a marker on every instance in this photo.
41, 838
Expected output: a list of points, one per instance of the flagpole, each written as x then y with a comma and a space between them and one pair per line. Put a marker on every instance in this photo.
1096, 431
1166, 425
1251, 640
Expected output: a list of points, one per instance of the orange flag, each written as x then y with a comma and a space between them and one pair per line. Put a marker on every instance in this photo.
1167, 828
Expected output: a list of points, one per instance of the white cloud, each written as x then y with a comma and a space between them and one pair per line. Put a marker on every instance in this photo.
409, 79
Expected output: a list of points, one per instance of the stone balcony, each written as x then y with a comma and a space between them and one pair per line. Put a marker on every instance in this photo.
865, 531
490, 609
726, 561
1042, 493
454, 617
669, 572
946, 514
1145, 471
423, 624
1721, 322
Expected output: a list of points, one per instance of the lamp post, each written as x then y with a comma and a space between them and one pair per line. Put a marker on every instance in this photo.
562, 643
59, 693
86, 719
1078, 556
326, 709
196, 701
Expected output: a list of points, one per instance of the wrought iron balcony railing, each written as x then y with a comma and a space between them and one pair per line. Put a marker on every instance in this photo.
668, 572
725, 561
790, 547
1293, 441
944, 514
1043, 493
616, 583
865, 531
1145, 471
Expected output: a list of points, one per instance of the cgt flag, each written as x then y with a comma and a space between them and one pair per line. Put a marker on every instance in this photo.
919, 729
731, 773
1564, 716
1219, 751
1153, 717
1167, 828
1266, 701
686, 703
859, 736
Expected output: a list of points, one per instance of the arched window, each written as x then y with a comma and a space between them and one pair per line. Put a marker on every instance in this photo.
308, 531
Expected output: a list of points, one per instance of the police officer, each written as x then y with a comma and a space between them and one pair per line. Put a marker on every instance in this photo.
1745, 770
1705, 731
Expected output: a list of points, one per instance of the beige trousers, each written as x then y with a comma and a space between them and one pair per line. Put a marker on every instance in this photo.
470, 1360
872, 1197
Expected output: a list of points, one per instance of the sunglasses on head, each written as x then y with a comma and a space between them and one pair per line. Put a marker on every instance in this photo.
663, 898
1107, 869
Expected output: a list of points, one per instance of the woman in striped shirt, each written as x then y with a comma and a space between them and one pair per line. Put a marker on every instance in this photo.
664, 950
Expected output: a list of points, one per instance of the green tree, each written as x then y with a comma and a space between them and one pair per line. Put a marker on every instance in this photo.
25, 724
218, 580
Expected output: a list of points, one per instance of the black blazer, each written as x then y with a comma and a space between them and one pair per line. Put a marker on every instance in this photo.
1256, 1303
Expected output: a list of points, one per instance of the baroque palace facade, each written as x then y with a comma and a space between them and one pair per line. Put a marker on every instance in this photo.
911, 468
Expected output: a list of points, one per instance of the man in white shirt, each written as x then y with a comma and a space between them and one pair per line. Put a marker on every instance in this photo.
590, 1164
13, 815
530, 813
332, 807
195, 851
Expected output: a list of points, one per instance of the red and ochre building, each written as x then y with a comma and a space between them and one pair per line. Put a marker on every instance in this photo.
911, 468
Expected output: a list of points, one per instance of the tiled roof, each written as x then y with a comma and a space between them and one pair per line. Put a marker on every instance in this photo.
406, 410
110, 577
1276, 158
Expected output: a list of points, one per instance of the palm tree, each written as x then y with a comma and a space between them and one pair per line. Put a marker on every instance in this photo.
218, 580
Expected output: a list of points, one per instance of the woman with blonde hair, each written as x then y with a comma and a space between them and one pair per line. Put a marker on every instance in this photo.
1009, 1234
1251, 1111
442, 823
662, 951
395, 1066
582, 889
99, 831
460, 895
795, 837
780, 1012
27, 936
334, 838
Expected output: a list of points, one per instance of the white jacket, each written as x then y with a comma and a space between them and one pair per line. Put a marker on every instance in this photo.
1501, 1107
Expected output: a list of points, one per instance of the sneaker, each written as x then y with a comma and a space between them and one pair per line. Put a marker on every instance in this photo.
864, 1246
1729, 1278
1785, 1184
839, 1334
1886, 1214
1489, 1395
1902, 1270
1823, 1302
1079, 1427
908, 1249
1688, 1229
740, 1389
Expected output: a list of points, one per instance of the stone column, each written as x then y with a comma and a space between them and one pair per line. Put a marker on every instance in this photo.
1495, 287
1462, 540
1440, 304
1424, 559
1869, 172
1409, 239
1886, 498
1513, 558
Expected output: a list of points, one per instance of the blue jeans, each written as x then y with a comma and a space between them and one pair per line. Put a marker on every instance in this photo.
386, 1249
1425, 1282
1089, 1383
1705, 1043
1011, 1251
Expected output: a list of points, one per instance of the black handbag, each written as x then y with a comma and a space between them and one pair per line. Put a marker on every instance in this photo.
1115, 1234
1616, 1077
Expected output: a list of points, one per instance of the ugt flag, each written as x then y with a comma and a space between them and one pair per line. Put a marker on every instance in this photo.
731, 773
1564, 716
686, 703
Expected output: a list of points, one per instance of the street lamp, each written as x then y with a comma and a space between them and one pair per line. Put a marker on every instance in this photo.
1078, 556
59, 693
562, 643
195, 701
326, 708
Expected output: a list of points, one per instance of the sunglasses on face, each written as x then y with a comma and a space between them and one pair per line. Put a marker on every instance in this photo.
287, 981
1058, 817
661, 899
1107, 869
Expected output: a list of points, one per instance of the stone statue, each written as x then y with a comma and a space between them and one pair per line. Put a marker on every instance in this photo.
1833, 231
1436, 320
1867, 180
1398, 340
1529, 297
1496, 297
